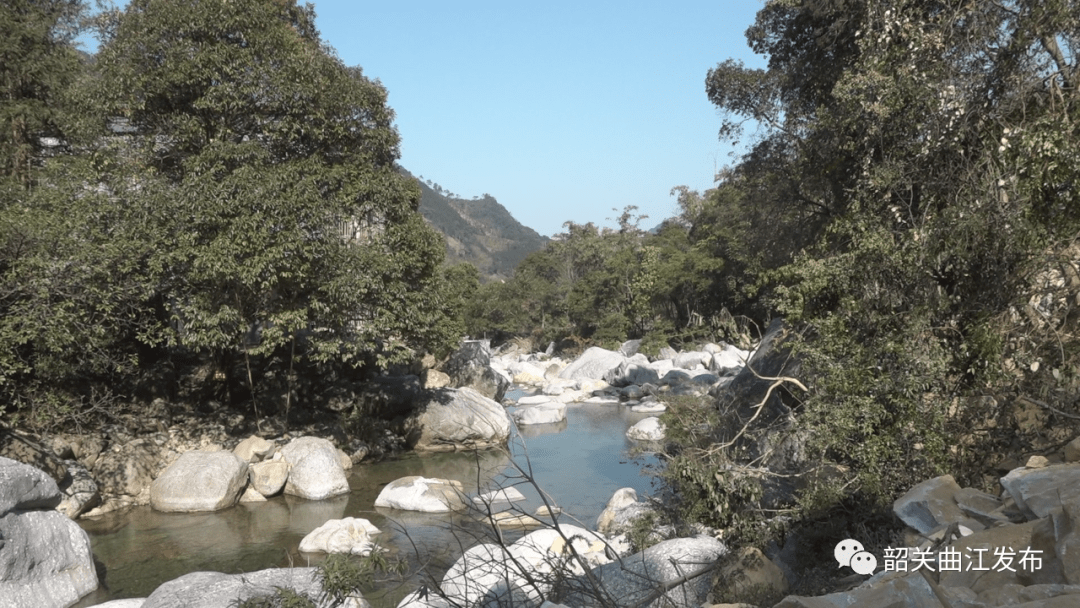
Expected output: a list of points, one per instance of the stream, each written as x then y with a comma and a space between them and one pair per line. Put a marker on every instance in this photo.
579, 463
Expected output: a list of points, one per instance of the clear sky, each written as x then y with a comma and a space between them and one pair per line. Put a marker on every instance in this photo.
561, 110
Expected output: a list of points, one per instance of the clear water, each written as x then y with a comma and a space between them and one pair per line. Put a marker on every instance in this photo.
579, 464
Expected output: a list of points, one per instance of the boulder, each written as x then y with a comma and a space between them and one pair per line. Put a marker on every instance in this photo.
930, 504
80, 491
650, 407
504, 495
1037, 492
621, 511
28, 450
630, 348
544, 413
692, 359
667, 352
217, 590
1072, 451
24, 487
268, 478
629, 373
350, 535
254, 449
771, 359
128, 468
592, 364
458, 419
45, 558
200, 481
433, 378
315, 470
554, 548
634, 579
648, 429
728, 361
901, 590
752, 572
470, 366
416, 493
489, 575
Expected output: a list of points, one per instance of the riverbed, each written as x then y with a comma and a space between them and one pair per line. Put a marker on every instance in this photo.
579, 464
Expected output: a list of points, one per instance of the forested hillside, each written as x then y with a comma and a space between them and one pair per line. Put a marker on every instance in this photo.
479, 231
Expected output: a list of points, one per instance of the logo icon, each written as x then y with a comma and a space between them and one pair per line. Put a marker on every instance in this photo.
851, 553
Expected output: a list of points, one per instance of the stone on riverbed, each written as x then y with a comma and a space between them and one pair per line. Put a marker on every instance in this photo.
268, 478
315, 471
199, 481
543, 413
217, 590
460, 418
425, 494
648, 429
352, 535
594, 363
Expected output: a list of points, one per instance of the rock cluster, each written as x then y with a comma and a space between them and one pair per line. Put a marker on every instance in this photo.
45, 558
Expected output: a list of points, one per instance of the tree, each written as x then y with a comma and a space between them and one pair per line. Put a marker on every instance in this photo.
38, 62
281, 223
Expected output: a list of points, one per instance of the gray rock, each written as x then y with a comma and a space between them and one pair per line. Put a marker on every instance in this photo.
543, 413
470, 366
667, 352
268, 478
692, 360
771, 359
903, 589
254, 449
628, 373
25, 487
647, 429
594, 363
621, 512
45, 560
315, 471
1037, 492
458, 419
128, 469
415, 493
351, 535
200, 481
630, 348
929, 504
80, 491
635, 578
217, 590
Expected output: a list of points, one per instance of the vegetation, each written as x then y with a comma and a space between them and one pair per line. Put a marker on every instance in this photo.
215, 190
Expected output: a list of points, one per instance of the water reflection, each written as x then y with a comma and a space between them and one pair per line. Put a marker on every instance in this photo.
579, 464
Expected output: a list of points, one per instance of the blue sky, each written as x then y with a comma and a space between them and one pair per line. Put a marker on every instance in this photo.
561, 110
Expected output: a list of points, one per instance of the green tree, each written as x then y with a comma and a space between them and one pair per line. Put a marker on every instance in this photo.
281, 222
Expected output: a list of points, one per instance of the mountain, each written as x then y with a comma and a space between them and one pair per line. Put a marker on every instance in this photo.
479, 231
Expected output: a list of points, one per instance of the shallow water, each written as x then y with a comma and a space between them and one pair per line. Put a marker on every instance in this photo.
579, 464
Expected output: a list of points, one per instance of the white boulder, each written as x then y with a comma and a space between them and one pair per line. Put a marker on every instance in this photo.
425, 494
351, 535
648, 429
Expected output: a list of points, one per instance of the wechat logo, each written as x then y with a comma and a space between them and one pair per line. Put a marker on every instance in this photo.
852, 554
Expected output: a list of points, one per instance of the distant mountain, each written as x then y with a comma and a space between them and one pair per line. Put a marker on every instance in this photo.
479, 231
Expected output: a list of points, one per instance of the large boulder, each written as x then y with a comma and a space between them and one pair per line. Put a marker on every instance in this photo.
489, 575
1038, 492
45, 558
200, 481
632, 372
772, 359
930, 504
634, 579
470, 366
315, 470
217, 590
462, 418
415, 493
594, 363
351, 535
692, 359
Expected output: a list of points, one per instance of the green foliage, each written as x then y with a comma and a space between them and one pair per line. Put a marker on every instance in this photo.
342, 576
283, 597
